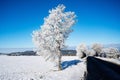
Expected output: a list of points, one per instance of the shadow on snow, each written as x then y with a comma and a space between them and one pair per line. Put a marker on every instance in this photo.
66, 64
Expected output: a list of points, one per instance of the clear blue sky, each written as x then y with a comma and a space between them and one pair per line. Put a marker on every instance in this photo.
98, 21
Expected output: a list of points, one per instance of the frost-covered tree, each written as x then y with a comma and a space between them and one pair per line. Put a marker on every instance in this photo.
97, 48
50, 38
111, 52
81, 50
90, 52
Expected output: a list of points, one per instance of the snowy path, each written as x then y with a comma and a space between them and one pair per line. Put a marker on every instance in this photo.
36, 68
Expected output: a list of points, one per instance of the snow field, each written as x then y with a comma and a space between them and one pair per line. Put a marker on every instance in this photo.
36, 68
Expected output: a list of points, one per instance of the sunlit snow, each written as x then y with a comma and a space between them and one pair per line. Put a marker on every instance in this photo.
36, 68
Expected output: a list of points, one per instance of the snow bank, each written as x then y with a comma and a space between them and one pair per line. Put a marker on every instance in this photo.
116, 61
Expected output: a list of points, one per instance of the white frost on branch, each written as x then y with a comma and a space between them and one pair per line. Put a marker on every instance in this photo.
81, 50
97, 48
90, 52
111, 52
50, 39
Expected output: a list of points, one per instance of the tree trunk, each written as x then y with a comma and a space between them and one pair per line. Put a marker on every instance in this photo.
96, 54
59, 63
59, 56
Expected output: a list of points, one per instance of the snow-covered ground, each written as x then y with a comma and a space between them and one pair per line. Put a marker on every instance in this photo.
116, 61
36, 68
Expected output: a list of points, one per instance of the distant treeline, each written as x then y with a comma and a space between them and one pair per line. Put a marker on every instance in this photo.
32, 53
69, 52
